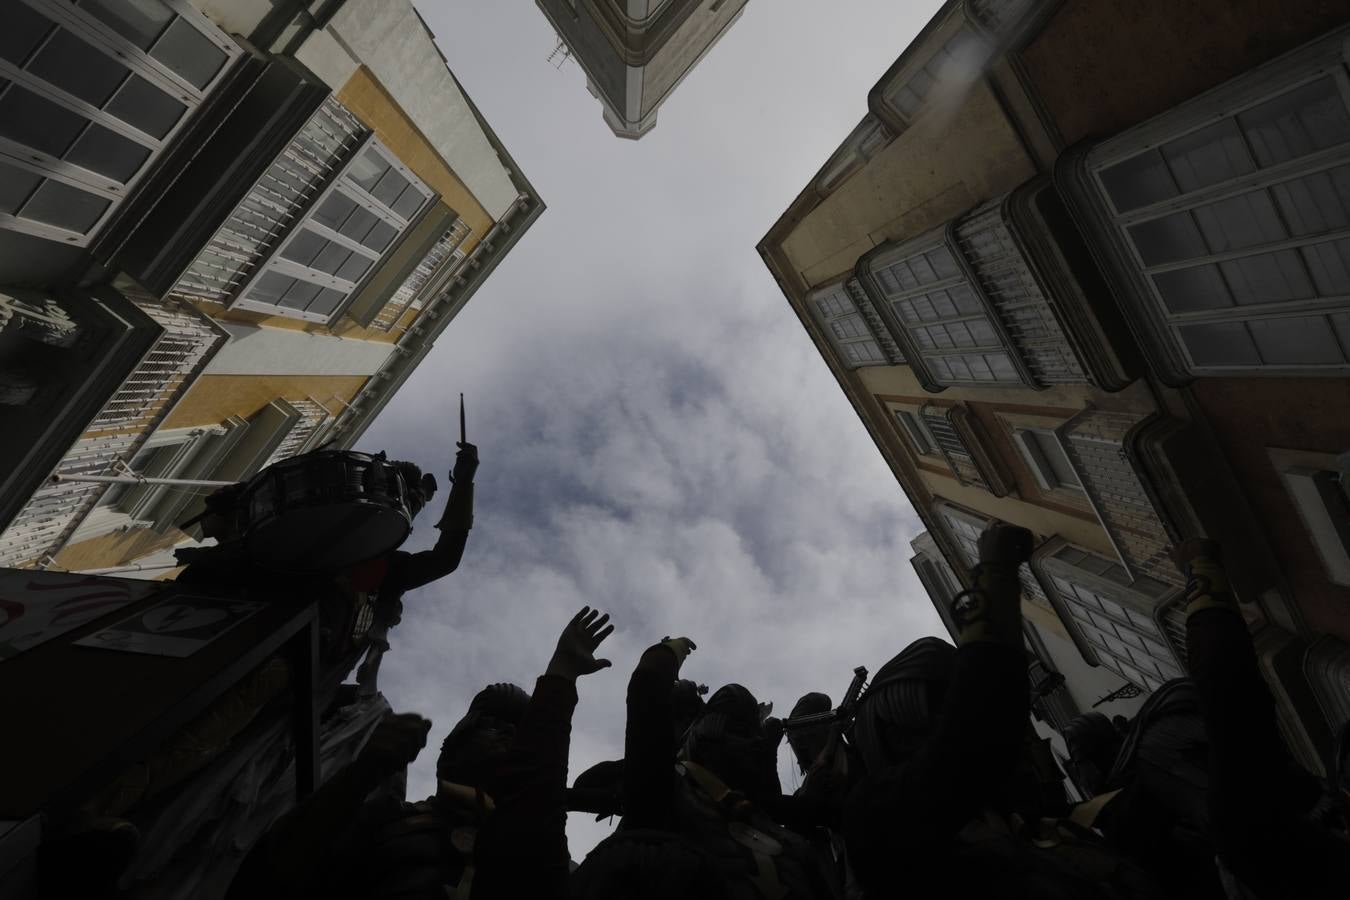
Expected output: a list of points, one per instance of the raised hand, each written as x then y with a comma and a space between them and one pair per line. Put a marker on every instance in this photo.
575, 655
466, 463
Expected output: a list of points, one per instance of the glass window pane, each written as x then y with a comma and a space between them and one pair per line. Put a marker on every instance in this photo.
139, 21
15, 186
1138, 181
1169, 239
37, 122
1196, 288
188, 53
330, 258
904, 276
358, 224
940, 337
327, 301
1302, 121
24, 28
389, 187
1340, 322
380, 236
1267, 278
1330, 267
982, 333
108, 153
1220, 344
942, 304
1304, 340
367, 170
1060, 469
922, 270
334, 210
270, 287
960, 335
64, 206
300, 295
1247, 220
409, 202
958, 368
1002, 367
942, 263
354, 269
964, 298
979, 369
923, 308
142, 105
304, 246
1214, 153
72, 65
1315, 203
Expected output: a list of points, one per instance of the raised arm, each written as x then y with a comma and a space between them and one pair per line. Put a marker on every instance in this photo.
522, 851
649, 739
413, 570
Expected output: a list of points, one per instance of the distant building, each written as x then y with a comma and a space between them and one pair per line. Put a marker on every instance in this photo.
636, 52
229, 231
1082, 267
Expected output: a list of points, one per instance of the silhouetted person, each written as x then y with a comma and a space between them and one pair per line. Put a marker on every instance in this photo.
958, 798
1259, 801
495, 828
695, 818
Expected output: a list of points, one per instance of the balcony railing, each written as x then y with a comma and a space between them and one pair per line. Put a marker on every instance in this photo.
988, 246
41, 527
445, 255
301, 436
1094, 442
55, 510
272, 205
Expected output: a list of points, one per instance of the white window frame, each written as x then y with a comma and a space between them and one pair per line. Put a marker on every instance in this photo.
102, 38
1314, 62
916, 431
1034, 456
920, 357
1311, 480
876, 355
342, 184
1140, 617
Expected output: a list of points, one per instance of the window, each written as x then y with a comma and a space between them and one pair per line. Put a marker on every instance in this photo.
89, 95
1114, 615
1047, 459
1323, 504
958, 62
944, 317
846, 328
320, 263
917, 432
1238, 228
964, 528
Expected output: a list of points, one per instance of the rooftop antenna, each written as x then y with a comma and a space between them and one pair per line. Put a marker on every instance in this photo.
562, 53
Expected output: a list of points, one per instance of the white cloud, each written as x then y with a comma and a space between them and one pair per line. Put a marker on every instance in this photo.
659, 437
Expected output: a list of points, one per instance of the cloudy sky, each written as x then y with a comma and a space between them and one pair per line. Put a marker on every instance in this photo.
659, 437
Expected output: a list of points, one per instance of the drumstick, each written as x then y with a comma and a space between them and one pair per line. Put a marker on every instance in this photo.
462, 438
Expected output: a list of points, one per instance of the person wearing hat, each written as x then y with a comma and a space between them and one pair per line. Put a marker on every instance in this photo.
495, 828
957, 796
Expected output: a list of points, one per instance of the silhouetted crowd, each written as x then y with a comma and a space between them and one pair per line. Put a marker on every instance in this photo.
935, 784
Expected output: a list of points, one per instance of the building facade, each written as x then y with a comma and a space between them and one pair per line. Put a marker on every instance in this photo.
636, 52
231, 229
1079, 269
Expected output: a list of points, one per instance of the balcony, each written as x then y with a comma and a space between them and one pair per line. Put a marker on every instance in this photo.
121, 425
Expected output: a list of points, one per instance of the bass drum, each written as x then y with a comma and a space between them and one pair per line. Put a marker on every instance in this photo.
324, 511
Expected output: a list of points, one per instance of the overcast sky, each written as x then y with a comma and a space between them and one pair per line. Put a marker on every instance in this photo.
659, 437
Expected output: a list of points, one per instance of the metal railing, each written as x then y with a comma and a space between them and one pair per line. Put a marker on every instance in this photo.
272, 205
446, 252
987, 244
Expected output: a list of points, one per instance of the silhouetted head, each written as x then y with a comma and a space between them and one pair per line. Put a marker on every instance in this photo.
730, 741
419, 488
473, 747
1093, 742
898, 713
808, 743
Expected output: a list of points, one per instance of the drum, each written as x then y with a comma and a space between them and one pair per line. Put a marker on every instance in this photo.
324, 511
